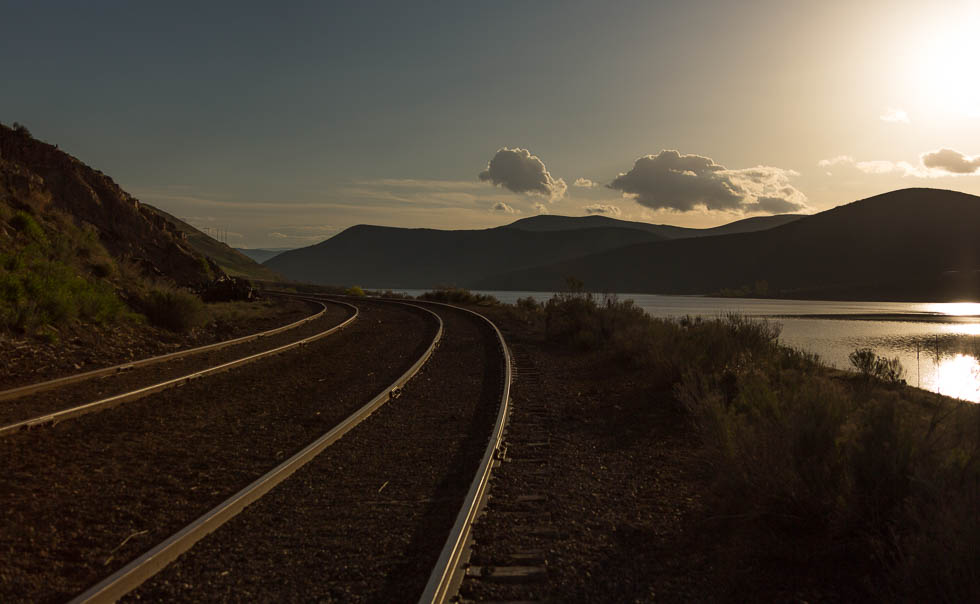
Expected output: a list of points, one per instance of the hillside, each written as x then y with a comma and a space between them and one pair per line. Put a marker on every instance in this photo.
130, 232
549, 222
228, 258
386, 257
75, 249
911, 244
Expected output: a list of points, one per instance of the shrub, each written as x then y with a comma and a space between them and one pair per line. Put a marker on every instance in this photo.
173, 309
21, 129
36, 292
355, 290
872, 366
456, 295
25, 223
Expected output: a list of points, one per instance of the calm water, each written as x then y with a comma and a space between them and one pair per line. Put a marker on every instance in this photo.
938, 344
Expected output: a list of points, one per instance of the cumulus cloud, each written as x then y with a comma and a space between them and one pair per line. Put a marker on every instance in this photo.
585, 183
602, 208
951, 161
894, 115
541, 208
674, 181
503, 207
775, 205
518, 171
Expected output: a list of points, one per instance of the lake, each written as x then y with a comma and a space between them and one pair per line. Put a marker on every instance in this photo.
938, 344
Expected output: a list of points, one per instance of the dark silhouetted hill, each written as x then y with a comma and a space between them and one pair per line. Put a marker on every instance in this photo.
387, 257
548, 222
911, 244
260, 255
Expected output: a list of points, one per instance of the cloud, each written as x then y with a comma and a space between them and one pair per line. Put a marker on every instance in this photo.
541, 208
932, 164
585, 183
601, 208
894, 115
951, 161
519, 171
833, 161
503, 207
673, 181
775, 205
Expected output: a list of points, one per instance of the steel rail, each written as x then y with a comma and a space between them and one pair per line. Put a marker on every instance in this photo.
141, 569
20, 391
447, 574
112, 401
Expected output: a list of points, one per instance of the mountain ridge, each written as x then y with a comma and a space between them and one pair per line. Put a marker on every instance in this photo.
908, 244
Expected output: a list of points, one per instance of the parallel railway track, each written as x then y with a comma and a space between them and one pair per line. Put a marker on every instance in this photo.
37, 387
82, 498
63, 398
416, 521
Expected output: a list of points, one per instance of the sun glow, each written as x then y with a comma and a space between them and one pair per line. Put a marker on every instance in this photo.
959, 376
943, 66
956, 309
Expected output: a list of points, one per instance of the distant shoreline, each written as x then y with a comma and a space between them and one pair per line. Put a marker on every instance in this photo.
907, 317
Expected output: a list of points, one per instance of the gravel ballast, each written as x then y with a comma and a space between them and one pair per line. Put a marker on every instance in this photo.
72, 395
80, 499
364, 521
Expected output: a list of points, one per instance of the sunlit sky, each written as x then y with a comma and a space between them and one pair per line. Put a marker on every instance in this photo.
283, 123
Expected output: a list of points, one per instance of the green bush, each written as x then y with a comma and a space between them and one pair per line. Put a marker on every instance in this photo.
35, 292
355, 290
173, 309
26, 224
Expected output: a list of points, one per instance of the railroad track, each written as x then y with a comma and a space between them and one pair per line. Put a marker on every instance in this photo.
20, 391
84, 497
52, 401
455, 463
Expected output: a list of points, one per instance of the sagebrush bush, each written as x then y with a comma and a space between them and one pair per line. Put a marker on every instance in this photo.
872, 366
456, 295
35, 291
882, 472
173, 309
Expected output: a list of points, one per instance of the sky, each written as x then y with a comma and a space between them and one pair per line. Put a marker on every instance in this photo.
283, 123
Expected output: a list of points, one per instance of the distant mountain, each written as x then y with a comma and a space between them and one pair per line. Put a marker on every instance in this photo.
548, 222
260, 255
912, 244
228, 258
386, 257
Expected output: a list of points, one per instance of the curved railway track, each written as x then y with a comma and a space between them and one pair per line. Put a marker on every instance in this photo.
37, 387
404, 537
138, 379
379, 510
83, 498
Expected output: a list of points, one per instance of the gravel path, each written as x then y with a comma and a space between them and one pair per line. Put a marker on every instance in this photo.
366, 520
72, 395
80, 499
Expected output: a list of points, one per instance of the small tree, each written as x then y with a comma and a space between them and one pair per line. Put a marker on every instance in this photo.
21, 129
